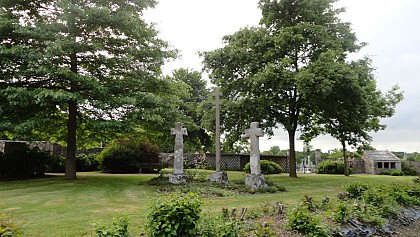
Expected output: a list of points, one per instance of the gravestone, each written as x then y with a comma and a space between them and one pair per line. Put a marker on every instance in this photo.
178, 175
219, 176
255, 179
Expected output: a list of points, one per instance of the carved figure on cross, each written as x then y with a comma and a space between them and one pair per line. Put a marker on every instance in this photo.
254, 133
179, 132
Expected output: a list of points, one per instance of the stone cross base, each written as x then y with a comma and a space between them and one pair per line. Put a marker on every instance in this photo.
255, 181
219, 177
178, 179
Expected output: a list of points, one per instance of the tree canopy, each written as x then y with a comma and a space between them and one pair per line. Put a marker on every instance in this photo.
260, 68
78, 69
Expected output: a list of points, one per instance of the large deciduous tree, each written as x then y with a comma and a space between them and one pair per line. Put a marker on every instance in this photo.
259, 68
78, 64
345, 101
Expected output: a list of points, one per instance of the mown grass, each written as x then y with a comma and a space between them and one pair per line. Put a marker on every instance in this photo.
57, 207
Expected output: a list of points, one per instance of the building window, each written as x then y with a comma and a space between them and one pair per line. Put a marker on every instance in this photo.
392, 165
380, 165
386, 165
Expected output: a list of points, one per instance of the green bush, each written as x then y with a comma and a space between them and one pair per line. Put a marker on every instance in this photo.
408, 169
125, 156
397, 173
117, 228
176, 215
331, 167
21, 161
385, 172
267, 167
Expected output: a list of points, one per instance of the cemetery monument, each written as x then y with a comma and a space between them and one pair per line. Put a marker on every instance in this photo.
219, 176
255, 179
178, 175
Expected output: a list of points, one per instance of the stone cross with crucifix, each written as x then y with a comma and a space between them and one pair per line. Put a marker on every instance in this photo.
254, 133
255, 180
178, 173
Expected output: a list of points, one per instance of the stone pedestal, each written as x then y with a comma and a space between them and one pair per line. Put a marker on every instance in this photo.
255, 181
177, 179
219, 177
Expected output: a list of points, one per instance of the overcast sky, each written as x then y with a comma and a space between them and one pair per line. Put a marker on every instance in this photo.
391, 29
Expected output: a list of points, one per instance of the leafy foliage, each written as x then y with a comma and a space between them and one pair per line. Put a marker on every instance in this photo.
356, 189
267, 167
176, 215
127, 156
261, 70
9, 226
397, 173
408, 169
117, 228
82, 69
305, 222
330, 167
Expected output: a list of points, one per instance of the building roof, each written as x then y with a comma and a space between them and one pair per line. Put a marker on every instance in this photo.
380, 156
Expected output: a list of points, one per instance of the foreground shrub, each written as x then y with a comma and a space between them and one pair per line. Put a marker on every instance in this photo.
267, 167
176, 215
117, 228
305, 222
127, 156
8, 226
21, 161
331, 167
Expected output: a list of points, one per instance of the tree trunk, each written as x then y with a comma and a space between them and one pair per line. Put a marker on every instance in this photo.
71, 142
292, 155
72, 126
346, 168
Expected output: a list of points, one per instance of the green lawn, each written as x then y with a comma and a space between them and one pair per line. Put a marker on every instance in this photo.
58, 207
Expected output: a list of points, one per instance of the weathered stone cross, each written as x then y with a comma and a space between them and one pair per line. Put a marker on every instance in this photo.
179, 131
254, 133
217, 103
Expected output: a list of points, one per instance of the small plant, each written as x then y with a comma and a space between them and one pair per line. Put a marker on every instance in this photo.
267, 167
342, 212
305, 222
8, 226
176, 215
416, 180
117, 228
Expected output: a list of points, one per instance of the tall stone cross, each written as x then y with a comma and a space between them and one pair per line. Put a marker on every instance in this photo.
254, 133
217, 103
179, 132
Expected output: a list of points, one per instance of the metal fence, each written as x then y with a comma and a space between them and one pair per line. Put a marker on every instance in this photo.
238, 161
